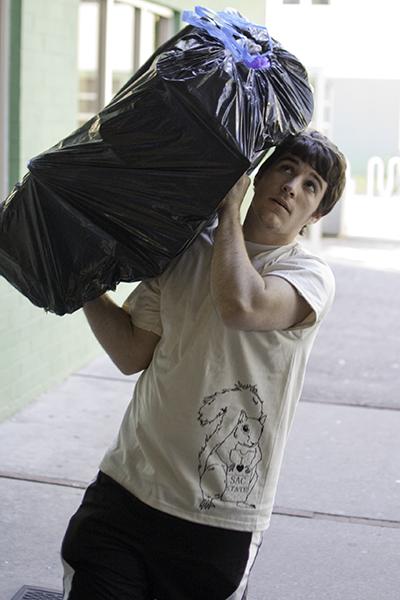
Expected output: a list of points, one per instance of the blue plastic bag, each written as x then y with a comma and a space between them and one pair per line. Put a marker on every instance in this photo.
237, 35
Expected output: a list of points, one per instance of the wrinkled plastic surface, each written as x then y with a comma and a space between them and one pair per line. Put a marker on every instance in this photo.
130, 190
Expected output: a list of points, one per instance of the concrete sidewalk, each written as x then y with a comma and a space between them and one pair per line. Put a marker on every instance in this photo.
335, 532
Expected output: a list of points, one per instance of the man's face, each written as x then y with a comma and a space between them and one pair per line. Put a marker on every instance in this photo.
286, 198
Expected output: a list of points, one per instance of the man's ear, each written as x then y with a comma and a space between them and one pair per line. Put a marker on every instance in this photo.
315, 217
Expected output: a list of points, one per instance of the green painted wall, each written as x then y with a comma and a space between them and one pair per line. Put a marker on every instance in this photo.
14, 90
49, 82
38, 349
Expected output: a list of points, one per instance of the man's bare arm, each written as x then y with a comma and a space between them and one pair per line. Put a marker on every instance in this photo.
244, 299
129, 347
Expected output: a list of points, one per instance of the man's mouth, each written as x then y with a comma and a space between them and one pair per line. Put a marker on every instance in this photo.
282, 203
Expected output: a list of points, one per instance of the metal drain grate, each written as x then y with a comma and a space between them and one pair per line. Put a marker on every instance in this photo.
29, 592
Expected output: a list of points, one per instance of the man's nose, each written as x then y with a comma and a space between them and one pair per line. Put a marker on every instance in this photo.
289, 188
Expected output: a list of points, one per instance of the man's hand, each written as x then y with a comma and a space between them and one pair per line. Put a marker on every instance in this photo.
235, 196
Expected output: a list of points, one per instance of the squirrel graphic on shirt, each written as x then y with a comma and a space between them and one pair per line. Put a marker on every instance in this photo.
228, 460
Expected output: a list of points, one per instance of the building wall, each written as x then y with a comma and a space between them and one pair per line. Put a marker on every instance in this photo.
39, 349
49, 84
4, 87
15, 9
366, 119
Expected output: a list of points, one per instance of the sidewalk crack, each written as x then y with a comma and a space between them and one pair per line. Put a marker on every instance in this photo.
278, 510
340, 518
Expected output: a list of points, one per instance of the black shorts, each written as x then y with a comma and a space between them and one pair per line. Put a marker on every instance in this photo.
117, 548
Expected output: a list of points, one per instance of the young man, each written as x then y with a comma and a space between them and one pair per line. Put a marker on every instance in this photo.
223, 337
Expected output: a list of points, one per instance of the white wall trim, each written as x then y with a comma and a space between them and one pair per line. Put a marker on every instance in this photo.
163, 11
4, 89
105, 66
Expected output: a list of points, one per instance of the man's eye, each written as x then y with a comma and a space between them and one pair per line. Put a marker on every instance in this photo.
287, 168
311, 186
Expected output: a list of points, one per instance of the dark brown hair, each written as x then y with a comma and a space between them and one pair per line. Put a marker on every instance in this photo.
325, 158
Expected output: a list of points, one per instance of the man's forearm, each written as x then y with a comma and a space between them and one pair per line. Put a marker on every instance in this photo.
113, 329
235, 282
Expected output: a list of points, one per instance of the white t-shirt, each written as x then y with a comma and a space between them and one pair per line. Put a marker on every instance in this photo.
204, 435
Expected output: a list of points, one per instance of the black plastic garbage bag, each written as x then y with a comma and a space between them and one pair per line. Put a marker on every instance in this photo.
130, 190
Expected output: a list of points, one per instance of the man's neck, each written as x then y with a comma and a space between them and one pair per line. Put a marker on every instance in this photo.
264, 237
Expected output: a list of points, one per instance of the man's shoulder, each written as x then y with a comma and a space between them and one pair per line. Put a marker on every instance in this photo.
299, 254
308, 272
290, 254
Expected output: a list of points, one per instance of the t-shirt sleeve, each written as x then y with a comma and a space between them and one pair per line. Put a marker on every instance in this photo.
312, 278
143, 305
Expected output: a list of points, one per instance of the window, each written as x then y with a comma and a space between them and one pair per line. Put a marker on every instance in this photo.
115, 38
321, 1
291, 1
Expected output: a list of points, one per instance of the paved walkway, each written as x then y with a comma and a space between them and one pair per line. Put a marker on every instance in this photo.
335, 533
